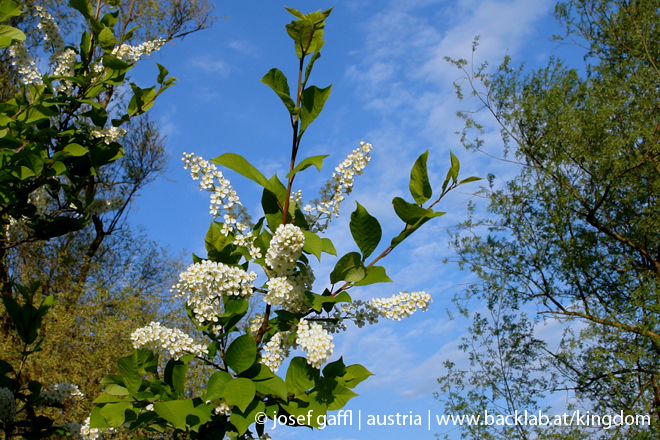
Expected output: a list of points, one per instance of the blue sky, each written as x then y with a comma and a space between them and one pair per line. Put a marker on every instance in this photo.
391, 87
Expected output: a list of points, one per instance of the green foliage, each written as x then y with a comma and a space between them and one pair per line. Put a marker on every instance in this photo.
574, 236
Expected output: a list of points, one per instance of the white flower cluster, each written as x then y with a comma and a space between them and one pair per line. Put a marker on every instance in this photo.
320, 211
7, 405
101, 205
285, 248
82, 431
289, 291
132, 54
316, 341
27, 68
61, 392
64, 67
110, 134
276, 350
204, 283
358, 311
401, 305
50, 29
221, 407
223, 198
174, 341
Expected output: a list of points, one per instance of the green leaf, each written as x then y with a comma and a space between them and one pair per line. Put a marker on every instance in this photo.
358, 374
412, 214
316, 161
366, 230
296, 13
276, 80
420, 188
110, 19
10, 34
334, 369
175, 411
243, 167
141, 101
216, 385
215, 239
453, 170
106, 39
310, 65
8, 9
313, 244
128, 369
106, 398
75, 150
241, 354
333, 394
45, 306
243, 419
239, 392
162, 74
82, 6
115, 414
300, 376
328, 247
318, 301
274, 386
470, 179
375, 274
313, 100
349, 268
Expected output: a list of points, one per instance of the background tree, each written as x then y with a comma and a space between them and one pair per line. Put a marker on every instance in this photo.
574, 238
103, 271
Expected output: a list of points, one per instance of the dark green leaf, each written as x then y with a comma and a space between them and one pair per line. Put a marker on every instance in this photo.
420, 188
243, 167
175, 411
241, 354
313, 100
128, 369
300, 376
313, 244
349, 268
82, 6
366, 230
276, 80
375, 274
242, 419
317, 161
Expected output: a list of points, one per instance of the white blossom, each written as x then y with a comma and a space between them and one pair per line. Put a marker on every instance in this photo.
132, 54
223, 199
276, 351
50, 29
289, 291
401, 305
7, 405
204, 283
320, 211
27, 68
82, 431
110, 134
173, 341
316, 341
61, 392
285, 249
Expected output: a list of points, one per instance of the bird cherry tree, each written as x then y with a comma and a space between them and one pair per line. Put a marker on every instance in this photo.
247, 349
